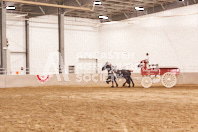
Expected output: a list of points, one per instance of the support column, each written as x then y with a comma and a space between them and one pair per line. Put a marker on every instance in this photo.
4, 56
27, 47
61, 40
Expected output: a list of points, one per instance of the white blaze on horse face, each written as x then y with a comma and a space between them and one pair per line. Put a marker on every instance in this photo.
114, 68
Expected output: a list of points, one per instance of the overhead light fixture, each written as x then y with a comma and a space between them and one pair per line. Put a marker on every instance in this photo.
103, 17
181, 0
139, 8
97, 3
10, 7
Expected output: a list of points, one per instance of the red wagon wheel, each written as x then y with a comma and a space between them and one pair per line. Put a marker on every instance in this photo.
169, 79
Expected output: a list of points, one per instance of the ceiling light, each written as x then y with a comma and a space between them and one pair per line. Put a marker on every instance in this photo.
10, 7
97, 3
139, 8
103, 17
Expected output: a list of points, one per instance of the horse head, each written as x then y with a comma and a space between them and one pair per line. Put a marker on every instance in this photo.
106, 66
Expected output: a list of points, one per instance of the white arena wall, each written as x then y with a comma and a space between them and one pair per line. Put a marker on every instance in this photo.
98, 80
16, 39
43, 35
81, 35
170, 37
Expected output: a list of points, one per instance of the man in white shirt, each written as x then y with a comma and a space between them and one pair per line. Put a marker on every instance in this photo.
147, 57
147, 60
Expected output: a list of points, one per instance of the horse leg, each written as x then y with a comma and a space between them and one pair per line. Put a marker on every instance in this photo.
108, 79
132, 81
112, 84
129, 82
116, 82
124, 83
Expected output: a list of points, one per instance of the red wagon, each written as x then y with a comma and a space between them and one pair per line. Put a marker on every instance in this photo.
167, 75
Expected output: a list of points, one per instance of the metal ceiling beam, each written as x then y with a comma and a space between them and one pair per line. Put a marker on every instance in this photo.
42, 10
184, 3
108, 7
47, 4
126, 15
115, 9
159, 7
162, 7
78, 2
70, 10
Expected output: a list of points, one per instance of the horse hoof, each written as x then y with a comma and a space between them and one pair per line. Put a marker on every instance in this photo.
112, 86
116, 85
107, 82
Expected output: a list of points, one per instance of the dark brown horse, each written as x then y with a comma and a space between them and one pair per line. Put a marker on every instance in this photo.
113, 73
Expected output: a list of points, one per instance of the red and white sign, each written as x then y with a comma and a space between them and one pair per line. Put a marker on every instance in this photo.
42, 78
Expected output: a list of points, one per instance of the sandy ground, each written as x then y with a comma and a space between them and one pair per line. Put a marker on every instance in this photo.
97, 109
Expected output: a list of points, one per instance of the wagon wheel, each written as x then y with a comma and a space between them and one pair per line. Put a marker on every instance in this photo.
146, 82
169, 79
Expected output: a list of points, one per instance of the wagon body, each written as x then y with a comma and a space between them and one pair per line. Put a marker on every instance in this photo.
159, 71
167, 75
173, 70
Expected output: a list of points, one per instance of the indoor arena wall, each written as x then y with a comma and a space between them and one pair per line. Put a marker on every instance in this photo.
81, 35
11, 81
169, 36
16, 39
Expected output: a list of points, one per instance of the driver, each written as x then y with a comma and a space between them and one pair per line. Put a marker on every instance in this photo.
147, 58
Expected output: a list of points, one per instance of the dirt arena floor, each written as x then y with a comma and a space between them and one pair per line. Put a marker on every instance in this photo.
98, 109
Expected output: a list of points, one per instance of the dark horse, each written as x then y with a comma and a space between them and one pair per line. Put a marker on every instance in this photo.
113, 73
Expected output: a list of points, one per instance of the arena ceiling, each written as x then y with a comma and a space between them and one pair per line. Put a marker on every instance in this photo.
115, 9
